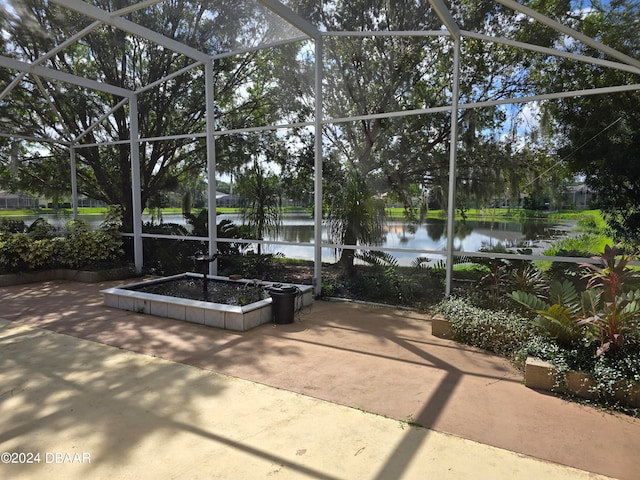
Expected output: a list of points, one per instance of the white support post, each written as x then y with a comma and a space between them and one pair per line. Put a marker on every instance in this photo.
317, 252
453, 150
136, 196
211, 164
74, 182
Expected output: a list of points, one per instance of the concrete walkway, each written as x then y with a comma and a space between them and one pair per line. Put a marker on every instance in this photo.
288, 401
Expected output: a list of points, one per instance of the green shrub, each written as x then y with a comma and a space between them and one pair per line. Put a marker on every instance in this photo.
19, 252
566, 271
557, 316
108, 239
79, 248
606, 313
41, 229
615, 375
331, 286
596, 330
12, 226
498, 275
383, 278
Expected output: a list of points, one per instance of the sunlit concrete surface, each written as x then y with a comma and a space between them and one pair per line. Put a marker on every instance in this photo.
79, 409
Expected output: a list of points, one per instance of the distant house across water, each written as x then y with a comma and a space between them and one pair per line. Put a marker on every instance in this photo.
227, 200
580, 197
17, 200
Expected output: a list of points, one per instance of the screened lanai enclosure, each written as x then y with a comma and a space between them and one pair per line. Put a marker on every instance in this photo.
342, 108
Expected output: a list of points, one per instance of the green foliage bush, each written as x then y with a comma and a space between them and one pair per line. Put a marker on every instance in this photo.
78, 246
501, 275
12, 226
606, 312
331, 286
381, 279
20, 252
41, 248
40, 229
166, 256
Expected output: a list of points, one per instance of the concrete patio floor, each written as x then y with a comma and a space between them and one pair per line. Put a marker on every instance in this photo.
326, 397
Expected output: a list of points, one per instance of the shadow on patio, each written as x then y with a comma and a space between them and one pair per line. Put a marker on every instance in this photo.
375, 359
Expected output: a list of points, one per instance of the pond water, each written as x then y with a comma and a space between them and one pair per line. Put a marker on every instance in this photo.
470, 236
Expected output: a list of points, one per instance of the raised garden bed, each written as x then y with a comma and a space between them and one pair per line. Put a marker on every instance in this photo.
229, 317
542, 375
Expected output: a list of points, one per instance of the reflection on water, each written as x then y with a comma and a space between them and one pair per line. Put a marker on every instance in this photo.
469, 236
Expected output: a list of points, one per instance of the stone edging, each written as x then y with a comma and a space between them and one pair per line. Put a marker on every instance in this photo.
86, 276
541, 375
440, 327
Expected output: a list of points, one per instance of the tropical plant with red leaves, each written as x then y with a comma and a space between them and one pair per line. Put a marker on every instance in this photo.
613, 311
607, 313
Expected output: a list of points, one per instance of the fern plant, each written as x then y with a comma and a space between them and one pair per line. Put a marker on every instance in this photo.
558, 316
391, 281
528, 279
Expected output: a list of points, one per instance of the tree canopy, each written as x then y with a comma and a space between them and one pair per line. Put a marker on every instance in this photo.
601, 133
49, 109
372, 77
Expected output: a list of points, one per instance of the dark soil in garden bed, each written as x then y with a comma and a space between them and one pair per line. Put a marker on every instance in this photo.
229, 293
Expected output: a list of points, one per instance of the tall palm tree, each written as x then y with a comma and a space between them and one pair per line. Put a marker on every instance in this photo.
354, 216
260, 201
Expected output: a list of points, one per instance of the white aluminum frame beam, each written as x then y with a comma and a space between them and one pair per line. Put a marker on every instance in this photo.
136, 200
133, 28
551, 96
69, 41
101, 119
74, 181
260, 47
52, 106
570, 32
166, 78
317, 179
388, 33
553, 52
291, 17
211, 164
453, 152
14, 64
447, 19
